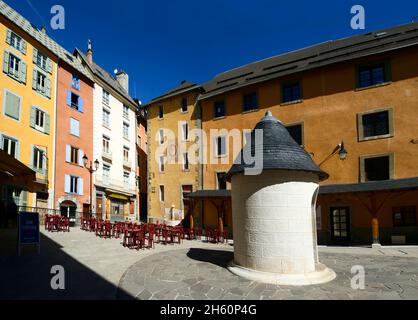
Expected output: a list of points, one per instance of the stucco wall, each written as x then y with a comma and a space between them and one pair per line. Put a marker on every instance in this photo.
274, 222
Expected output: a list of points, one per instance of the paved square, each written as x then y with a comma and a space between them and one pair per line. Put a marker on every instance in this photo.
102, 269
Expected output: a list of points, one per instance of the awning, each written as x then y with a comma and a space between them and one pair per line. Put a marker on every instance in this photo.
205, 194
372, 186
15, 172
118, 196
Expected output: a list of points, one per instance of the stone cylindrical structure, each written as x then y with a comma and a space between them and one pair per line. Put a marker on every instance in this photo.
274, 218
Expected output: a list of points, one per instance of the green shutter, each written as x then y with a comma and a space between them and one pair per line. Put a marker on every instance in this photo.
49, 65
6, 62
9, 37
24, 46
32, 116
22, 68
12, 105
24, 198
35, 80
47, 125
48, 88
35, 56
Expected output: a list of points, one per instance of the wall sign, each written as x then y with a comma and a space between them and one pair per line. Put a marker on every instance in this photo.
29, 230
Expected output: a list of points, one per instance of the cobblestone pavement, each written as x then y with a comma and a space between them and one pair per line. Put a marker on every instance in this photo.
200, 274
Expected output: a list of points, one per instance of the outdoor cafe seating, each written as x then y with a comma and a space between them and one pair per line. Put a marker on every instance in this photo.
57, 223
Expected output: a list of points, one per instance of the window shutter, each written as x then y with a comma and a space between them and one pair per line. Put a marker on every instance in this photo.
24, 198
35, 56
23, 69
6, 62
80, 104
32, 116
32, 153
49, 65
80, 187
12, 106
9, 37
35, 80
68, 153
47, 125
44, 164
48, 88
67, 184
69, 98
24, 47
80, 157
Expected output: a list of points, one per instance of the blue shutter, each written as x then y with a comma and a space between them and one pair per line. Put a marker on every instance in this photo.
67, 184
68, 153
80, 187
80, 104
69, 98
80, 157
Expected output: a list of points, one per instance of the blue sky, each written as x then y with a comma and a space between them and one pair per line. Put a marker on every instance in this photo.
159, 43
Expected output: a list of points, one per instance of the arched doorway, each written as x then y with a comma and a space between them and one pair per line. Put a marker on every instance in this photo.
69, 209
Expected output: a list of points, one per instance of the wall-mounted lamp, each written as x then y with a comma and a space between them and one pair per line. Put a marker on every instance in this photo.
342, 153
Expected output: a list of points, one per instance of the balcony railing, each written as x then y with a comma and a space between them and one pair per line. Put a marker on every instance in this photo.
115, 184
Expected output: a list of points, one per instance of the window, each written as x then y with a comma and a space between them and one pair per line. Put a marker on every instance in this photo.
296, 132
220, 178
12, 105
106, 173
16, 42
38, 159
160, 112
39, 120
162, 194
185, 131
184, 104
14, 67
126, 112
250, 102
377, 168
126, 176
405, 216
162, 164
375, 125
372, 75
74, 185
42, 61
75, 82
139, 142
10, 146
219, 109
41, 83
106, 97
75, 101
186, 166
161, 136
74, 155
106, 145
74, 127
139, 160
220, 146
186, 190
106, 118
291, 92
126, 130
125, 154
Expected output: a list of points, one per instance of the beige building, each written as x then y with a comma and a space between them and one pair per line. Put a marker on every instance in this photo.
171, 175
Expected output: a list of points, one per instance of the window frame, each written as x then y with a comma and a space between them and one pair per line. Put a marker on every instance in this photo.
217, 154
161, 193
13, 139
215, 105
287, 84
403, 218
363, 166
185, 162
387, 69
41, 160
360, 124
6, 91
105, 97
160, 112
182, 105
302, 125
106, 144
126, 125
253, 109
79, 129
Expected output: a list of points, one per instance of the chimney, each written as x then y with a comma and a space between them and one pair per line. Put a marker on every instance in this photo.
90, 53
43, 30
123, 79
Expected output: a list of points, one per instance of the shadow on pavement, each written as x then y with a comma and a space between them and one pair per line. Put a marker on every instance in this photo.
217, 257
29, 277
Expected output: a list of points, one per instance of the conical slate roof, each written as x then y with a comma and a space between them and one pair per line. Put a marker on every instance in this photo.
279, 151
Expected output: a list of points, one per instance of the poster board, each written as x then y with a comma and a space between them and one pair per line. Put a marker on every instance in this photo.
29, 230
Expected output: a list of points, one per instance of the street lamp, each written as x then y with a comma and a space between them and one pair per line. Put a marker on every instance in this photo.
342, 153
92, 169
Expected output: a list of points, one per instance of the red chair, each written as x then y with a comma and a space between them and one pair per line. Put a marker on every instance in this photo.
138, 239
107, 230
149, 237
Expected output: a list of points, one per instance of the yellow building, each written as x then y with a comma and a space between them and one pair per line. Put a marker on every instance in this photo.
172, 172
28, 86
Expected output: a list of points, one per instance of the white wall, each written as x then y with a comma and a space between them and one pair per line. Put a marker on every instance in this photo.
273, 221
117, 141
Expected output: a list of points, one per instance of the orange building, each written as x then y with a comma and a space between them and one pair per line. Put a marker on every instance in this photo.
74, 140
352, 104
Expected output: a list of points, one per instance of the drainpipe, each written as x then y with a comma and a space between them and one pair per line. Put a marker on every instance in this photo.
54, 153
